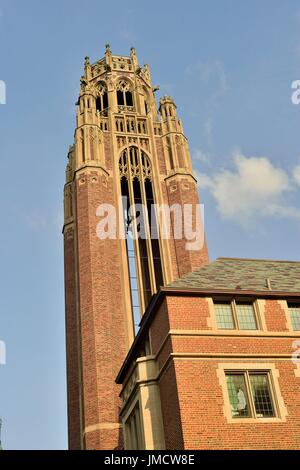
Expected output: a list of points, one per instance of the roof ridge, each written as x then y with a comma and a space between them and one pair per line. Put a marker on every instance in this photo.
257, 259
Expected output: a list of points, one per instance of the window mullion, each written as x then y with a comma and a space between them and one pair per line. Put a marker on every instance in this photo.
257, 316
250, 395
274, 400
234, 314
135, 238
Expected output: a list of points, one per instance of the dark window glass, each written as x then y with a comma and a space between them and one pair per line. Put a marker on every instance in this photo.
154, 235
128, 97
120, 97
98, 104
105, 101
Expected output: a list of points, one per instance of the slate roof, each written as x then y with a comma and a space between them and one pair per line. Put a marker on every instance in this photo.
244, 274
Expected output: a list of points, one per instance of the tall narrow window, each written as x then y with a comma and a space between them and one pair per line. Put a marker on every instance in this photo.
140, 222
132, 261
102, 100
124, 94
128, 98
153, 234
120, 97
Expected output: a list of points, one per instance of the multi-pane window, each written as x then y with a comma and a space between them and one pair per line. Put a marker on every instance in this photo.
294, 310
133, 430
235, 315
250, 394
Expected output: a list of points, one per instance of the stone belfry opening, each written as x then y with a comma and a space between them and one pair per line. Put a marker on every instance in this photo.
128, 154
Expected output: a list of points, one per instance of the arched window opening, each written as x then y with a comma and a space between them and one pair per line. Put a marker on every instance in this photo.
102, 99
145, 272
124, 94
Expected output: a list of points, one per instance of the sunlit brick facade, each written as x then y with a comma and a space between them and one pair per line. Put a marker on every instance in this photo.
200, 351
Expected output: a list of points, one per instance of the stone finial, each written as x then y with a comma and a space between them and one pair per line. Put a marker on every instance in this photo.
134, 57
87, 67
108, 57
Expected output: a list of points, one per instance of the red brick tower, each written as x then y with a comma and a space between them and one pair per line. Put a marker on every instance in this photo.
122, 148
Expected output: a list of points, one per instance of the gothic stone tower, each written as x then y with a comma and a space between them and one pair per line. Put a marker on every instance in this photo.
123, 146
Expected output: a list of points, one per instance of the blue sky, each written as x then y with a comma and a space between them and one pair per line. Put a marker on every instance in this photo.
228, 65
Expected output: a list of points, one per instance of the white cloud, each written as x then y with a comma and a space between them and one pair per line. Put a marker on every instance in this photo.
255, 188
296, 174
199, 156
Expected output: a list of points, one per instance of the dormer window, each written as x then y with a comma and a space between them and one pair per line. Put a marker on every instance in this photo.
232, 315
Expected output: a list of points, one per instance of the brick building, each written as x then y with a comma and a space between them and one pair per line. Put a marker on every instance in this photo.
218, 373
210, 364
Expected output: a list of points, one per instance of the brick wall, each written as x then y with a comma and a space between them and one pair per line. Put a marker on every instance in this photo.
72, 346
103, 327
204, 425
191, 394
182, 191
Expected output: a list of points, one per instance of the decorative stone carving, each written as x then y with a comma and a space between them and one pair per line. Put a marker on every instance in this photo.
136, 163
